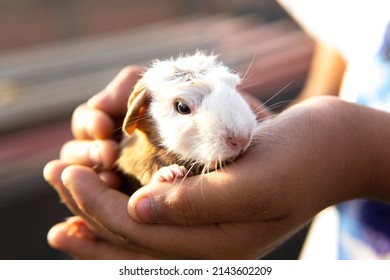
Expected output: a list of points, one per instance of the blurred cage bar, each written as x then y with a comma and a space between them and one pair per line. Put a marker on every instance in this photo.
40, 85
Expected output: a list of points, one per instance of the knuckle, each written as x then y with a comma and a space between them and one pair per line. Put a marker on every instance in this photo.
130, 73
109, 151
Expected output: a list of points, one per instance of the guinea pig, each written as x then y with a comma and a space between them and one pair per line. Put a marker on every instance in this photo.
185, 116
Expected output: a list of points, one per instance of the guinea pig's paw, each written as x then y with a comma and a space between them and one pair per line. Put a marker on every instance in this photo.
169, 173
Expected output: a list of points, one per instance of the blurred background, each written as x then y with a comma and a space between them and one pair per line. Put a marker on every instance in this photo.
55, 54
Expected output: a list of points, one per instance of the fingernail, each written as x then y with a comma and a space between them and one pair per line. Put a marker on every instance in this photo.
144, 210
64, 177
46, 173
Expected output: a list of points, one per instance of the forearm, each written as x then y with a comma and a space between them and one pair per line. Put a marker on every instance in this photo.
361, 147
378, 133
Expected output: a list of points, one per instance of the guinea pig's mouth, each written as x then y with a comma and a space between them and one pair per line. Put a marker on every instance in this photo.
208, 167
222, 163
198, 168
217, 165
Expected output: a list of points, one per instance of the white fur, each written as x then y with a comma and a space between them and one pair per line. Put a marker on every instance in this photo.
217, 110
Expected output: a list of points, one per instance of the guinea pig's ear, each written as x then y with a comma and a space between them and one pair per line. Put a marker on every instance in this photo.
136, 107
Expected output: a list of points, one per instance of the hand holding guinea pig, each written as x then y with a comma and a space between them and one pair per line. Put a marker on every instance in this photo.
308, 163
184, 116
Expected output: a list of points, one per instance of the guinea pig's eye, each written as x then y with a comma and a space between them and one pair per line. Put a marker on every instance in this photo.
182, 108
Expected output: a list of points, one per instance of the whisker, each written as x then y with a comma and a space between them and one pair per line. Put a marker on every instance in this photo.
137, 119
220, 162
205, 169
266, 118
118, 129
280, 91
261, 134
263, 106
281, 103
190, 169
252, 83
133, 120
200, 174
249, 68
259, 109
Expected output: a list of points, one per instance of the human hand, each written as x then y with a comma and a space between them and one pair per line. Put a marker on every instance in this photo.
271, 207
96, 124
311, 156
93, 125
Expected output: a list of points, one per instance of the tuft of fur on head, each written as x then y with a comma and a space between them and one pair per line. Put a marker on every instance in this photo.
218, 111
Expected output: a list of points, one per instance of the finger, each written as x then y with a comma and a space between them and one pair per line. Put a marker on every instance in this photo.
99, 154
90, 123
229, 195
52, 173
101, 206
113, 99
77, 240
90, 193
111, 179
108, 207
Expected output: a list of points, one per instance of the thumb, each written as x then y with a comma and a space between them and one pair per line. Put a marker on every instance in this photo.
215, 197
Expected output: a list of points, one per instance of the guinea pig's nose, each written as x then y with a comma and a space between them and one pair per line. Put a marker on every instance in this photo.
237, 143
